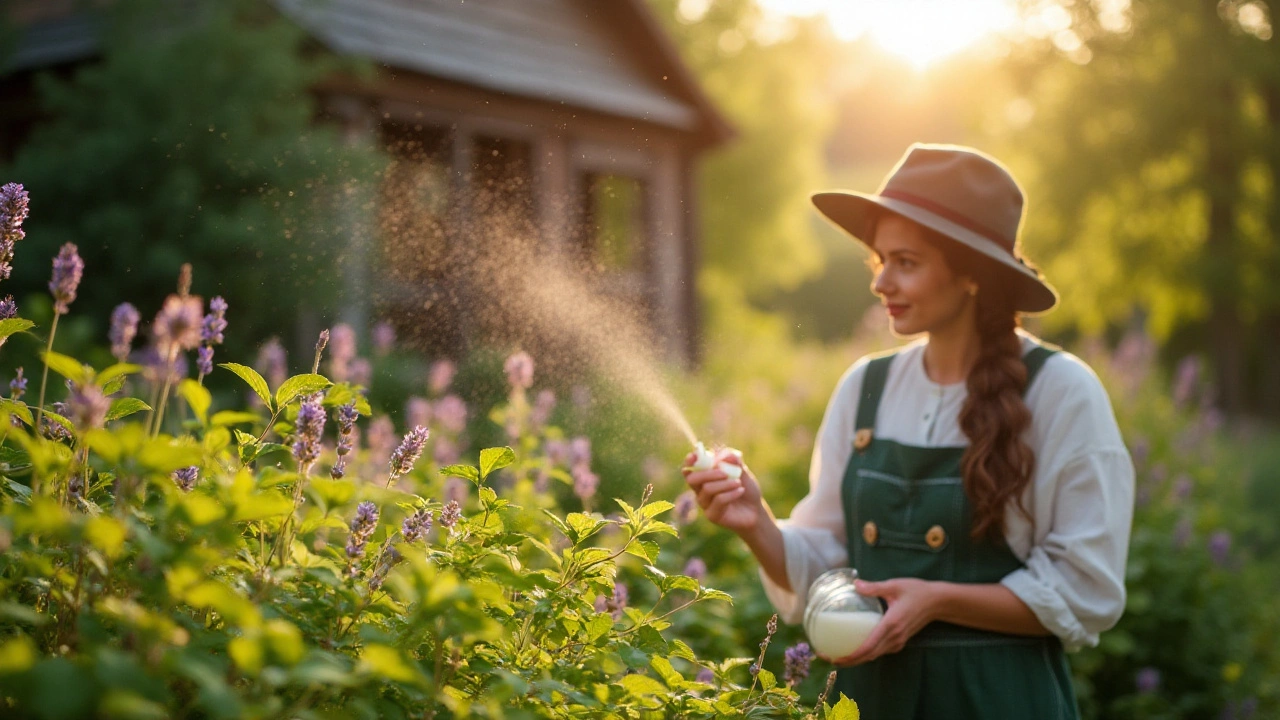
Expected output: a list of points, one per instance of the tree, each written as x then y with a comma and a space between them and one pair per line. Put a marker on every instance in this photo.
1151, 169
192, 139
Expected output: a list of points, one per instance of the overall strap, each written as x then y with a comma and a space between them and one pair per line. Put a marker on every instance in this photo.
872, 389
1035, 359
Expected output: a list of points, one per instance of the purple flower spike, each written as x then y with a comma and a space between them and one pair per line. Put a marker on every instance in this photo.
17, 386
342, 340
796, 663
362, 527
614, 604
204, 359
451, 412
8, 308
124, 328
13, 211
1220, 547
186, 477
308, 427
585, 482
215, 322
1147, 680
450, 515
416, 526
705, 675
696, 568
440, 376
272, 362
177, 325
384, 338
68, 268
686, 510
87, 407
405, 456
347, 415
385, 563
519, 369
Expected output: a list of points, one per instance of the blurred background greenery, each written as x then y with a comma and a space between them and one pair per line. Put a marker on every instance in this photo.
1144, 133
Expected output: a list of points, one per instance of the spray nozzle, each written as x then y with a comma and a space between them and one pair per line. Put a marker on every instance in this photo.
706, 459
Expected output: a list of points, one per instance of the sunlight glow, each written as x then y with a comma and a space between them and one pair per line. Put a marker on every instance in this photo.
921, 31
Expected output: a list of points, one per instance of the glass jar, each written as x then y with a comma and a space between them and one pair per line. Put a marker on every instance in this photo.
838, 618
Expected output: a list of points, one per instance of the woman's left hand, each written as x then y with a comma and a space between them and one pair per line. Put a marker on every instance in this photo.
912, 605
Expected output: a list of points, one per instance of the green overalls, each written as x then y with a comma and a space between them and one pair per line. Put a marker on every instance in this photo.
906, 515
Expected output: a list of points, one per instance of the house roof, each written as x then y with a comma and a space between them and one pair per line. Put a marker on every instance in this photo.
611, 57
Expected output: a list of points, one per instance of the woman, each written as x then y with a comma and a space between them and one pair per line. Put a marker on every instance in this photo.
975, 478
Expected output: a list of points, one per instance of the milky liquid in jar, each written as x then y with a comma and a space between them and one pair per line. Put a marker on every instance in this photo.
837, 633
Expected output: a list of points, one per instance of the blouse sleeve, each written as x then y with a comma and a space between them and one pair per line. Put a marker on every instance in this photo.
1082, 507
814, 536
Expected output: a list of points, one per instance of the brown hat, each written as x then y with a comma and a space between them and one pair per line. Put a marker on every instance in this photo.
960, 193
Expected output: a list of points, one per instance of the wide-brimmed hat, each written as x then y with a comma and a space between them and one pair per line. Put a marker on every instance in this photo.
960, 193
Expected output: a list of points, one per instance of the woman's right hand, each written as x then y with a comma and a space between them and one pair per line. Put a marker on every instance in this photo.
733, 503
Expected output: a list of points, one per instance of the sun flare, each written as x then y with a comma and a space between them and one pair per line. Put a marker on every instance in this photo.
920, 31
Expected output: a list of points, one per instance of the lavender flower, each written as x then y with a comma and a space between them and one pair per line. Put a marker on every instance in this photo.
696, 568
177, 325
796, 663
272, 362
519, 370
1147, 680
1220, 547
405, 456
416, 526
451, 411
215, 322
361, 372
580, 451
17, 386
204, 359
124, 327
455, 489
417, 411
705, 675
440, 376
445, 452
86, 407
8, 308
68, 268
384, 338
343, 338
585, 482
308, 427
347, 415
686, 509
186, 477
754, 669
450, 515
362, 527
543, 406
557, 451
13, 211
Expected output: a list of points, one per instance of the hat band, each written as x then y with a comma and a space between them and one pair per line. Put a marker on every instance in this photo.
955, 217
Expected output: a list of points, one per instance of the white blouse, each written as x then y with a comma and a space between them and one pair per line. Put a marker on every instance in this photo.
1080, 496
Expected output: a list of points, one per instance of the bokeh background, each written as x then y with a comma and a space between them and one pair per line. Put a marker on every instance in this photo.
623, 190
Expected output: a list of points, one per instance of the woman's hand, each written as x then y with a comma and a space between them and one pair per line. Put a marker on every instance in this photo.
733, 503
912, 605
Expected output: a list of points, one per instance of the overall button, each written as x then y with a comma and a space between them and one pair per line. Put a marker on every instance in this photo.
862, 439
870, 533
936, 537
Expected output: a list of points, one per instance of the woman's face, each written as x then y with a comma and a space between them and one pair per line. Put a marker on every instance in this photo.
914, 282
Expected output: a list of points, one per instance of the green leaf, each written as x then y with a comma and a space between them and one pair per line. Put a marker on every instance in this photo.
767, 679
66, 366
599, 624
113, 385
679, 582
17, 408
641, 685
564, 529
124, 407
654, 509
673, 679
646, 549
299, 385
584, 526
233, 417
254, 380
678, 648
197, 397
388, 662
14, 325
116, 372
846, 709
493, 459
262, 505
712, 594
463, 471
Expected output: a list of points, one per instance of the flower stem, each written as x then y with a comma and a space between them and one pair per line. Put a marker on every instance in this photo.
53, 328
164, 394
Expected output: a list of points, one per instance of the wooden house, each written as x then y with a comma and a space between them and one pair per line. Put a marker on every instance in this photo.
570, 127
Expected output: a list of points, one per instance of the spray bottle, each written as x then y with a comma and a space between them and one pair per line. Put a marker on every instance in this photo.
706, 459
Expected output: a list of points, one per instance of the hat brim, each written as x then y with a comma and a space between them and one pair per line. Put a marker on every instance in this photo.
852, 212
